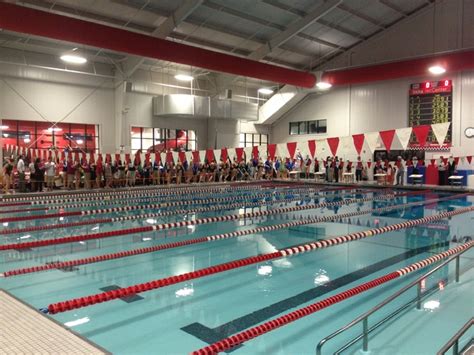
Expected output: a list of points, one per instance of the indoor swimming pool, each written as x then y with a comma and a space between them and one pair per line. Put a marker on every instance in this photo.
61, 247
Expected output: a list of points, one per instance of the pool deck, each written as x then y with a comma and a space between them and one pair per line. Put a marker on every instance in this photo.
27, 331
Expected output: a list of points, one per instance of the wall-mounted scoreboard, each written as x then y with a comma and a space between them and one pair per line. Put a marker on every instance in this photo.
430, 102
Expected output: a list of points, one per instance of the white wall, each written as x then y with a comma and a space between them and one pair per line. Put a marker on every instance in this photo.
375, 107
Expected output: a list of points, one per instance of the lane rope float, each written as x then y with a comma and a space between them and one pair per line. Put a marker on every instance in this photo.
295, 250
239, 338
170, 225
166, 246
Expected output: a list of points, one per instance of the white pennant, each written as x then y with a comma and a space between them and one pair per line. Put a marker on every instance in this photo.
189, 156
263, 152
373, 140
440, 131
231, 154
303, 148
175, 156
403, 135
202, 156
282, 150
217, 155
163, 157
248, 153
346, 145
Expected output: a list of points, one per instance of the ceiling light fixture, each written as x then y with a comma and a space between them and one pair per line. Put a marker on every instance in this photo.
73, 59
265, 91
437, 69
4, 127
54, 129
79, 141
323, 85
183, 77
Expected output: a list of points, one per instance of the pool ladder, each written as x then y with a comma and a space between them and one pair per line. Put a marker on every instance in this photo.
364, 318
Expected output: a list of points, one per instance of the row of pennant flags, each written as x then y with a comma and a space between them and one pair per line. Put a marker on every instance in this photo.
342, 146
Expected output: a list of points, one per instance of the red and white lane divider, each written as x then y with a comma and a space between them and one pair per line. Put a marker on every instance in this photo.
181, 190
142, 208
212, 238
64, 240
155, 195
239, 338
299, 249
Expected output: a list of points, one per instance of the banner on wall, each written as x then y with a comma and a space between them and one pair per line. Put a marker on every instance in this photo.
403, 135
440, 131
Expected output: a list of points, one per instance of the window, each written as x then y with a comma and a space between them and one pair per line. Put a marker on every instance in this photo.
162, 139
308, 127
252, 139
40, 135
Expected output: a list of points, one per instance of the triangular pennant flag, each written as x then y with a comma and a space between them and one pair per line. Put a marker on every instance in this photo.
291, 146
456, 160
421, 132
403, 135
312, 148
263, 151
333, 144
433, 161
196, 158
358, 142
169, 157
175, 157
302, 149
189, 156
469, 159
255, 152
387, 138
239, 152
440, 131
271, 151
182, 156
224, 154
163, 157
369, 164
231, 154
209, 155
282, 150
217, 155
346, 145
202, 156
248, 153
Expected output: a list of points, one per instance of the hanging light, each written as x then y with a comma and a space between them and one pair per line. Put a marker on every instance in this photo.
4, 127
54, 129
183, 77
323, 85
79, 141
437, 70
73, 57
265, 91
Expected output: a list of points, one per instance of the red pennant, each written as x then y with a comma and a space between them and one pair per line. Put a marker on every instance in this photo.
291, 148
358, 142
224, 154
117, 157
196, 158
312, 147
271, 150
255, 152
369, 164
456, 160
209, 155
157, 157
469, 159
445, 161
387, 138
182, 157
91, 158
239, 152
433, 161
333, 144
421, 133
169, 157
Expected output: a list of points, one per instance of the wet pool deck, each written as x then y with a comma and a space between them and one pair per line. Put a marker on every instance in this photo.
24, 330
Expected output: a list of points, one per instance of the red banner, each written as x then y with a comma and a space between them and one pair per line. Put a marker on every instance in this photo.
387, 138
312, 148
291, 149
421, 133
333, 144
196, 158
255, 152
169, 157
469, 159
209, 155
239, 152
358, 142
182, 157
271, 150
224, 154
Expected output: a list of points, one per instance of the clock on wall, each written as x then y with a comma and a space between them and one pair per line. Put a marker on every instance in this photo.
469, 132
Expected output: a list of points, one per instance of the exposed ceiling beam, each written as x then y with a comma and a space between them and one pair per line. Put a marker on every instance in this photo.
394, 7
63, 28
164, 30
268, 24
294, 28
361, 15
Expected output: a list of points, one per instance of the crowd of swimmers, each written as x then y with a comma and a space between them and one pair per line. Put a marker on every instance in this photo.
39, 174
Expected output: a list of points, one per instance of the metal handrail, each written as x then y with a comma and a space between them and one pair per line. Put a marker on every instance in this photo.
364, 317
454, 341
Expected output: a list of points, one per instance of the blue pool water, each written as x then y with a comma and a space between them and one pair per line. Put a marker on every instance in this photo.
187, 316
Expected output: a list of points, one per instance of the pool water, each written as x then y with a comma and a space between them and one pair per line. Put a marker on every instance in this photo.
187, 316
